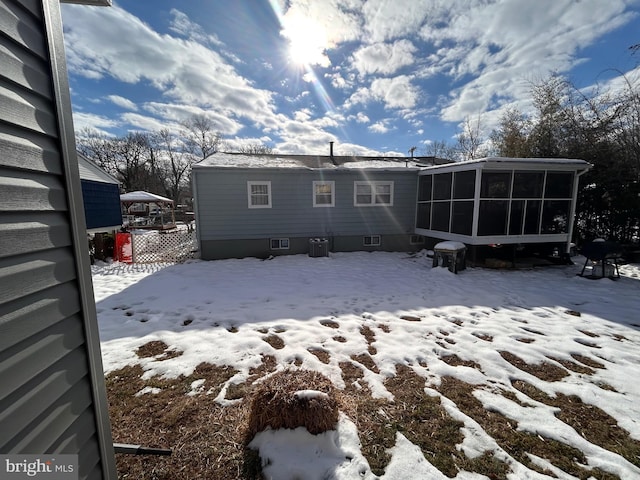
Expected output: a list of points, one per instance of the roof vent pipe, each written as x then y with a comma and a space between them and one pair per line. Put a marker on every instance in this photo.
331, 153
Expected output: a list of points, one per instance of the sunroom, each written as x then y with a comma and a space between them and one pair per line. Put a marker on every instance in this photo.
500, 201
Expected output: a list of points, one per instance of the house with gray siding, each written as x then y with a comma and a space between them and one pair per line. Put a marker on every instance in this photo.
263, 205
52, 392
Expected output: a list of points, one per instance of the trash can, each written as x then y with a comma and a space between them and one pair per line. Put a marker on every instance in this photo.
451, 255
318, 247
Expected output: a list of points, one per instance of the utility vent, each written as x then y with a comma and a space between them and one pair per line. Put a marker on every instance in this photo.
318, 247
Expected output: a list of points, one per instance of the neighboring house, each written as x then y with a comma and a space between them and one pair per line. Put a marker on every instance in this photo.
262, 205
101, 197
52, 392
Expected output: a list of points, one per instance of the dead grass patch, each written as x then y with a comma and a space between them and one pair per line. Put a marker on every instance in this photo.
588, 333
157, 348
206, 438
351, 375
423, 421
340, 339
544, 371
573, 366
275, 341
484, 336
516, 443
590, 362
367, 361
531, 330
455, 361
322, 355
594, 424
329, 323
370, 336
525, 340
385, 328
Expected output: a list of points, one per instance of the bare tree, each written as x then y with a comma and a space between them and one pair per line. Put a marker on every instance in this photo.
255, 149
439, 149
175, 162
200, 138
470, 140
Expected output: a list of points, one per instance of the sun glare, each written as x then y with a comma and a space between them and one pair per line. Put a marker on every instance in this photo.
307, 42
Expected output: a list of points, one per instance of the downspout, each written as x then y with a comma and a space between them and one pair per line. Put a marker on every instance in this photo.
572, 213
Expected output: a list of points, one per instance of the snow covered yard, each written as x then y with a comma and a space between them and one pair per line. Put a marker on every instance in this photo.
485, 374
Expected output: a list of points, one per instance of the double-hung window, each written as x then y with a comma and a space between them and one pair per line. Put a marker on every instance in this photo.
259, 194
372, 194
324, 194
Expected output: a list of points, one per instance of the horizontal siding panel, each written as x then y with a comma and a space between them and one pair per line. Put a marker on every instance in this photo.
34, 7
22, 29
25, 404
23, 69
44, 431
37, 153
89, 455
27, 110
78, 436
21, 362
30, 314
31, 232
27, 274
38, 192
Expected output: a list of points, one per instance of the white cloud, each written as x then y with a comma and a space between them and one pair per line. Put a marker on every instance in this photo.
183, 70
90, 121
385, 19
182, 25
384, 58
177, 113
122, 102
503, 45
143, 122
362, 118
395, 92
379, 127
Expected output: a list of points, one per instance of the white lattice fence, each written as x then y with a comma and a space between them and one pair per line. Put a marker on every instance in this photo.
154, 247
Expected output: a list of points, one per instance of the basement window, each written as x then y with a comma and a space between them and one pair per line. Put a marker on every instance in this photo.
371, 240
279, 244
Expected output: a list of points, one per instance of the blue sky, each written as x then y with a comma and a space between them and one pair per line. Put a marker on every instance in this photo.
374, 76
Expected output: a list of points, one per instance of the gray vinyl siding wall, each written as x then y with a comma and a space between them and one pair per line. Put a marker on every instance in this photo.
224, 217
52, 396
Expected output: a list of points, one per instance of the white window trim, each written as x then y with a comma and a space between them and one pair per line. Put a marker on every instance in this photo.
280, 242
373, 185
372, 244
333, 193
249, 195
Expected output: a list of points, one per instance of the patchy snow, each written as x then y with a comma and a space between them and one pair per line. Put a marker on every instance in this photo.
218, 312
234, 160
310, 395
